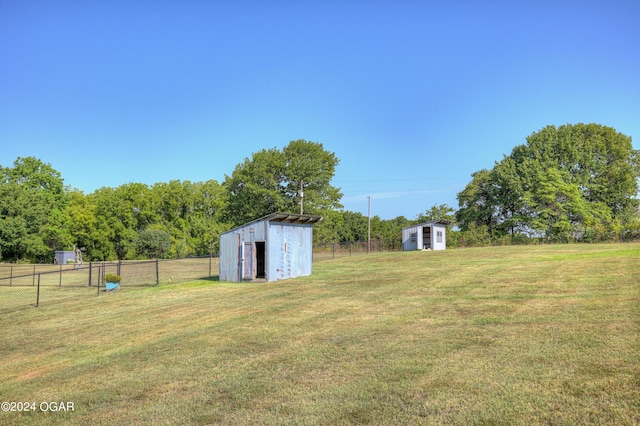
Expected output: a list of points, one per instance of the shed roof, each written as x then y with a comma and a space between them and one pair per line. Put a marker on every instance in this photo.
432, 222
302, 219
291, 218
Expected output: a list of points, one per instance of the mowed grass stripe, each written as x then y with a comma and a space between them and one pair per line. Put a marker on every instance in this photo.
499, 335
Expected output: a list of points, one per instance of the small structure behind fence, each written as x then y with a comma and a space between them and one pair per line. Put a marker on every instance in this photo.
31, 285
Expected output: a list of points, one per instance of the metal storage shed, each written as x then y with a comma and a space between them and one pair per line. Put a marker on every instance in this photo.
62, 257
275, 247
425, 236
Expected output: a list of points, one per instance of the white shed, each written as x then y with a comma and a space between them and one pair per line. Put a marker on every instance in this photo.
275, 247
425, 236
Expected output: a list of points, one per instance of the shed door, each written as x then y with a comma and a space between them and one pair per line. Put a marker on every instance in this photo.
260, 260
426, 237
247, 262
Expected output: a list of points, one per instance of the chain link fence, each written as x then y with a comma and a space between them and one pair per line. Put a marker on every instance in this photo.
330, 251
23, 286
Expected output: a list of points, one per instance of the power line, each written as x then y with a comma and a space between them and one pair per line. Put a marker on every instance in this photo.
400, 179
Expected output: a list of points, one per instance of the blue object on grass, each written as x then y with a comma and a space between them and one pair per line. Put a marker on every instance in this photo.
112, 286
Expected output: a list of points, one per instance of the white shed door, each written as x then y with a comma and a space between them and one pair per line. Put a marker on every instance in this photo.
247, 262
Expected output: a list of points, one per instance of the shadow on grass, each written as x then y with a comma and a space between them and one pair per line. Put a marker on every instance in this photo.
215, 278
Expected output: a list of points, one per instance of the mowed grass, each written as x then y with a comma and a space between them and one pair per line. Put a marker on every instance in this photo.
499, 335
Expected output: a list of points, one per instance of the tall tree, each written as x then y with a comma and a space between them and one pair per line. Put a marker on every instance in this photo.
574, 181
32, 219
274, 180
437, 212
256, 187
308, 171
153, 243
207, 223
81, 211
33, 174
121, 213
478, 202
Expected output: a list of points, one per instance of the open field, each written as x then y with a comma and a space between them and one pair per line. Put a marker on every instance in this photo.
501, 335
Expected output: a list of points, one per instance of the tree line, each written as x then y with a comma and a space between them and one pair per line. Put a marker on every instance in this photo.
571, 183
568, 183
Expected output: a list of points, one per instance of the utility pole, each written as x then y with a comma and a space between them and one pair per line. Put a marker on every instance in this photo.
301, 197
369, 230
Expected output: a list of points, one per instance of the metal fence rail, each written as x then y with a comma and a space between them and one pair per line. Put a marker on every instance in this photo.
330, 251
23, 286
18, 292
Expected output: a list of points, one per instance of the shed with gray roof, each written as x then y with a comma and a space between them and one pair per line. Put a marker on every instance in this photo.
275, 247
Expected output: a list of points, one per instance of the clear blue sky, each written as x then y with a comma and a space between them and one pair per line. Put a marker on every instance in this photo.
412, 96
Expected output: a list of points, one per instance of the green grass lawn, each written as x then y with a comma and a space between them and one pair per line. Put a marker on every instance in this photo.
502, 335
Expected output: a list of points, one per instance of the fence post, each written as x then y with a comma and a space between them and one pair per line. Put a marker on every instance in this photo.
89, 274
99, 275
38, 293
61, 275
119, 263
157, 271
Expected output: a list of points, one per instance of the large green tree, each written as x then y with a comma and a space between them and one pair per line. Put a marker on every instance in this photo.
569, 182
32, 202
153, 243
308, 171
437, 212
298, 178
207, 222
190, 214
115, 220
256, 187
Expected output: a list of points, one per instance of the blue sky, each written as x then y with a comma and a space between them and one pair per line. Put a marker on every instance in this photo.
412, 96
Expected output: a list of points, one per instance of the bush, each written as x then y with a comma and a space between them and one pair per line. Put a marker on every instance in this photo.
112, 278
152, 243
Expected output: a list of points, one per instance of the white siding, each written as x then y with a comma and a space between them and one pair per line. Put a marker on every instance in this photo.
233, 253
412, 237
439, 241
288, 250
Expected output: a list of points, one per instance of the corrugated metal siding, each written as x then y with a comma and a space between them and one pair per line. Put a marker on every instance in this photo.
288, 250
229, 257
232, 249
407, 243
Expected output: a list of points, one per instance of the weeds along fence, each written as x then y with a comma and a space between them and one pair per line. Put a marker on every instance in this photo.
33, 285
330, 251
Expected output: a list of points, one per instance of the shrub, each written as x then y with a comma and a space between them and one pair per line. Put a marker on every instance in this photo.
112, 278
